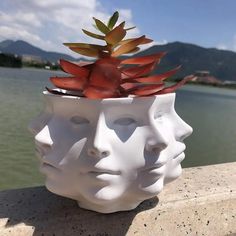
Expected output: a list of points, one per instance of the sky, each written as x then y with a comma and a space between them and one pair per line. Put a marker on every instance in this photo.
50, 23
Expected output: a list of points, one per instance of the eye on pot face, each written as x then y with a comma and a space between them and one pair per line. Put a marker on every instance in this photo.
79, 120
126, 121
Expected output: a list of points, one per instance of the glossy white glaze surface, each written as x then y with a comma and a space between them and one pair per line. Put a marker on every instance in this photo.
109, 154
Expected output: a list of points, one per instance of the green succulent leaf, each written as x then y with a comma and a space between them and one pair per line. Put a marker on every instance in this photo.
93, 35
101, 26
112, 21
122, 24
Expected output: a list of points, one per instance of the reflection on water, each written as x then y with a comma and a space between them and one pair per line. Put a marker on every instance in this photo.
210, 111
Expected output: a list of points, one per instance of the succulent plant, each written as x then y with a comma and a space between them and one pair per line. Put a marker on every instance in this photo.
108, 76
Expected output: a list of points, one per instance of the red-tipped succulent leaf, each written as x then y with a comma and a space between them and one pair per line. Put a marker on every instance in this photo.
69, 83
174, 87
74, 69
144, 59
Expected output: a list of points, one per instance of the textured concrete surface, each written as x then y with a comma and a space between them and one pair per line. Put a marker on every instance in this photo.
201, 202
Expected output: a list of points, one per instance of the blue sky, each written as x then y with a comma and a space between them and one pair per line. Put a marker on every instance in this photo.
49, 23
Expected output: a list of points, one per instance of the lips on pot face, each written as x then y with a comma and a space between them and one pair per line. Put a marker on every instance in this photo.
109, 149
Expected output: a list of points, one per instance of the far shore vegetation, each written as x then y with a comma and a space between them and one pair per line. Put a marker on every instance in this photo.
14, 61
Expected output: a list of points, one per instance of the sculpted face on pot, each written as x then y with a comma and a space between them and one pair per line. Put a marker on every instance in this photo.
111, 152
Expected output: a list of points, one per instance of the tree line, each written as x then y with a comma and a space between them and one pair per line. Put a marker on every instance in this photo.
9, 60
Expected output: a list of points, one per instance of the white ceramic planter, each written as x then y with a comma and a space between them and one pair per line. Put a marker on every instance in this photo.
109, 154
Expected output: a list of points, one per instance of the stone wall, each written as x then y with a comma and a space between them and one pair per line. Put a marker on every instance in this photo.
201, 202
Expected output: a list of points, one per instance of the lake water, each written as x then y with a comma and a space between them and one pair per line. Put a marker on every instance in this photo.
210, 111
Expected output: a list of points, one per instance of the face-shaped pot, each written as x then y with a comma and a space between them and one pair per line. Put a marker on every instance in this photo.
109, 154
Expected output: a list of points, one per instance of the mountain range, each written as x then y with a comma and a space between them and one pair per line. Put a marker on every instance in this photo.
220, 63
21, 47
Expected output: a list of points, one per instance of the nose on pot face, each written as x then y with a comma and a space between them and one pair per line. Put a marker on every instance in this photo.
43, 138
157, 142
182, 130
98, 145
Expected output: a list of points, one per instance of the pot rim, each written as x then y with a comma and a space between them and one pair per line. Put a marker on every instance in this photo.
130, 98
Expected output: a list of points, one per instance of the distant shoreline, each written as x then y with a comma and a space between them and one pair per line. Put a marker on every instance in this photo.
58, 70
229, 86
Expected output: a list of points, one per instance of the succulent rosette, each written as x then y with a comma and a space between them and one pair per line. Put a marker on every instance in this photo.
109, 76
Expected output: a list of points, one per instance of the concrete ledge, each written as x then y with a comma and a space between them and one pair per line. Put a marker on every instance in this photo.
201, 202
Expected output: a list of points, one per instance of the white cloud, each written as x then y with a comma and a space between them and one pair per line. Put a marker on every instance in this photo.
222, 46
19, 18
16, 33
49, 23
54, 4
231, 45
162, 42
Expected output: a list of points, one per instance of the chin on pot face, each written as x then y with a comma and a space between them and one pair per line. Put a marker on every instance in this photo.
108, 151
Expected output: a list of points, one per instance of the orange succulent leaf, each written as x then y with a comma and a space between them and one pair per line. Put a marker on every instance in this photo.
144, 59
145, 90
116, 35
69, 83
93, 35
134, 50
105, 76
137, 71
89, 52
145, 41
85, 45
157, 78
127, 47
126, 41
174, 87
95, 92
74, 69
